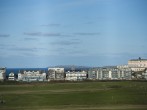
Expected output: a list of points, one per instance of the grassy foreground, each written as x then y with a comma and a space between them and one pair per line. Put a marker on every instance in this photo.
123, 95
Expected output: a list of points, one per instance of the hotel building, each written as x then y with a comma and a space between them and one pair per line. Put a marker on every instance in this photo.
137, 64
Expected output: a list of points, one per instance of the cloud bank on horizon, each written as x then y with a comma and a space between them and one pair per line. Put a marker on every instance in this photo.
41, 33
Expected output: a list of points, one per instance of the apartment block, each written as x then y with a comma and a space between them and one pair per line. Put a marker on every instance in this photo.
56, 74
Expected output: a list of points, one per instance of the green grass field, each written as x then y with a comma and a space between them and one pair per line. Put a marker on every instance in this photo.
120, 95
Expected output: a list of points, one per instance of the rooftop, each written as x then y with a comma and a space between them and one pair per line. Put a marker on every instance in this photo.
139, 59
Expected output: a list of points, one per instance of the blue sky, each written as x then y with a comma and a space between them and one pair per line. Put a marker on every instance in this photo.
42, 33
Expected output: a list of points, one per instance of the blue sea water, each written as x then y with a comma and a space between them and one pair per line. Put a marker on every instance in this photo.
16, 70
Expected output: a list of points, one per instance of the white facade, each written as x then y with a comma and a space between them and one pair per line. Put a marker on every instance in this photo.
11, 77
30, 76
114, 74
76, 76
137, 64
92, 74
56, 74
2, 74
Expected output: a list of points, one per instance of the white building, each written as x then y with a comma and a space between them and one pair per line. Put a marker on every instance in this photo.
137, 64
114, 73
107, 73
92, 74
2, 73
76, 76
11, 77
30, 76
56, 74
